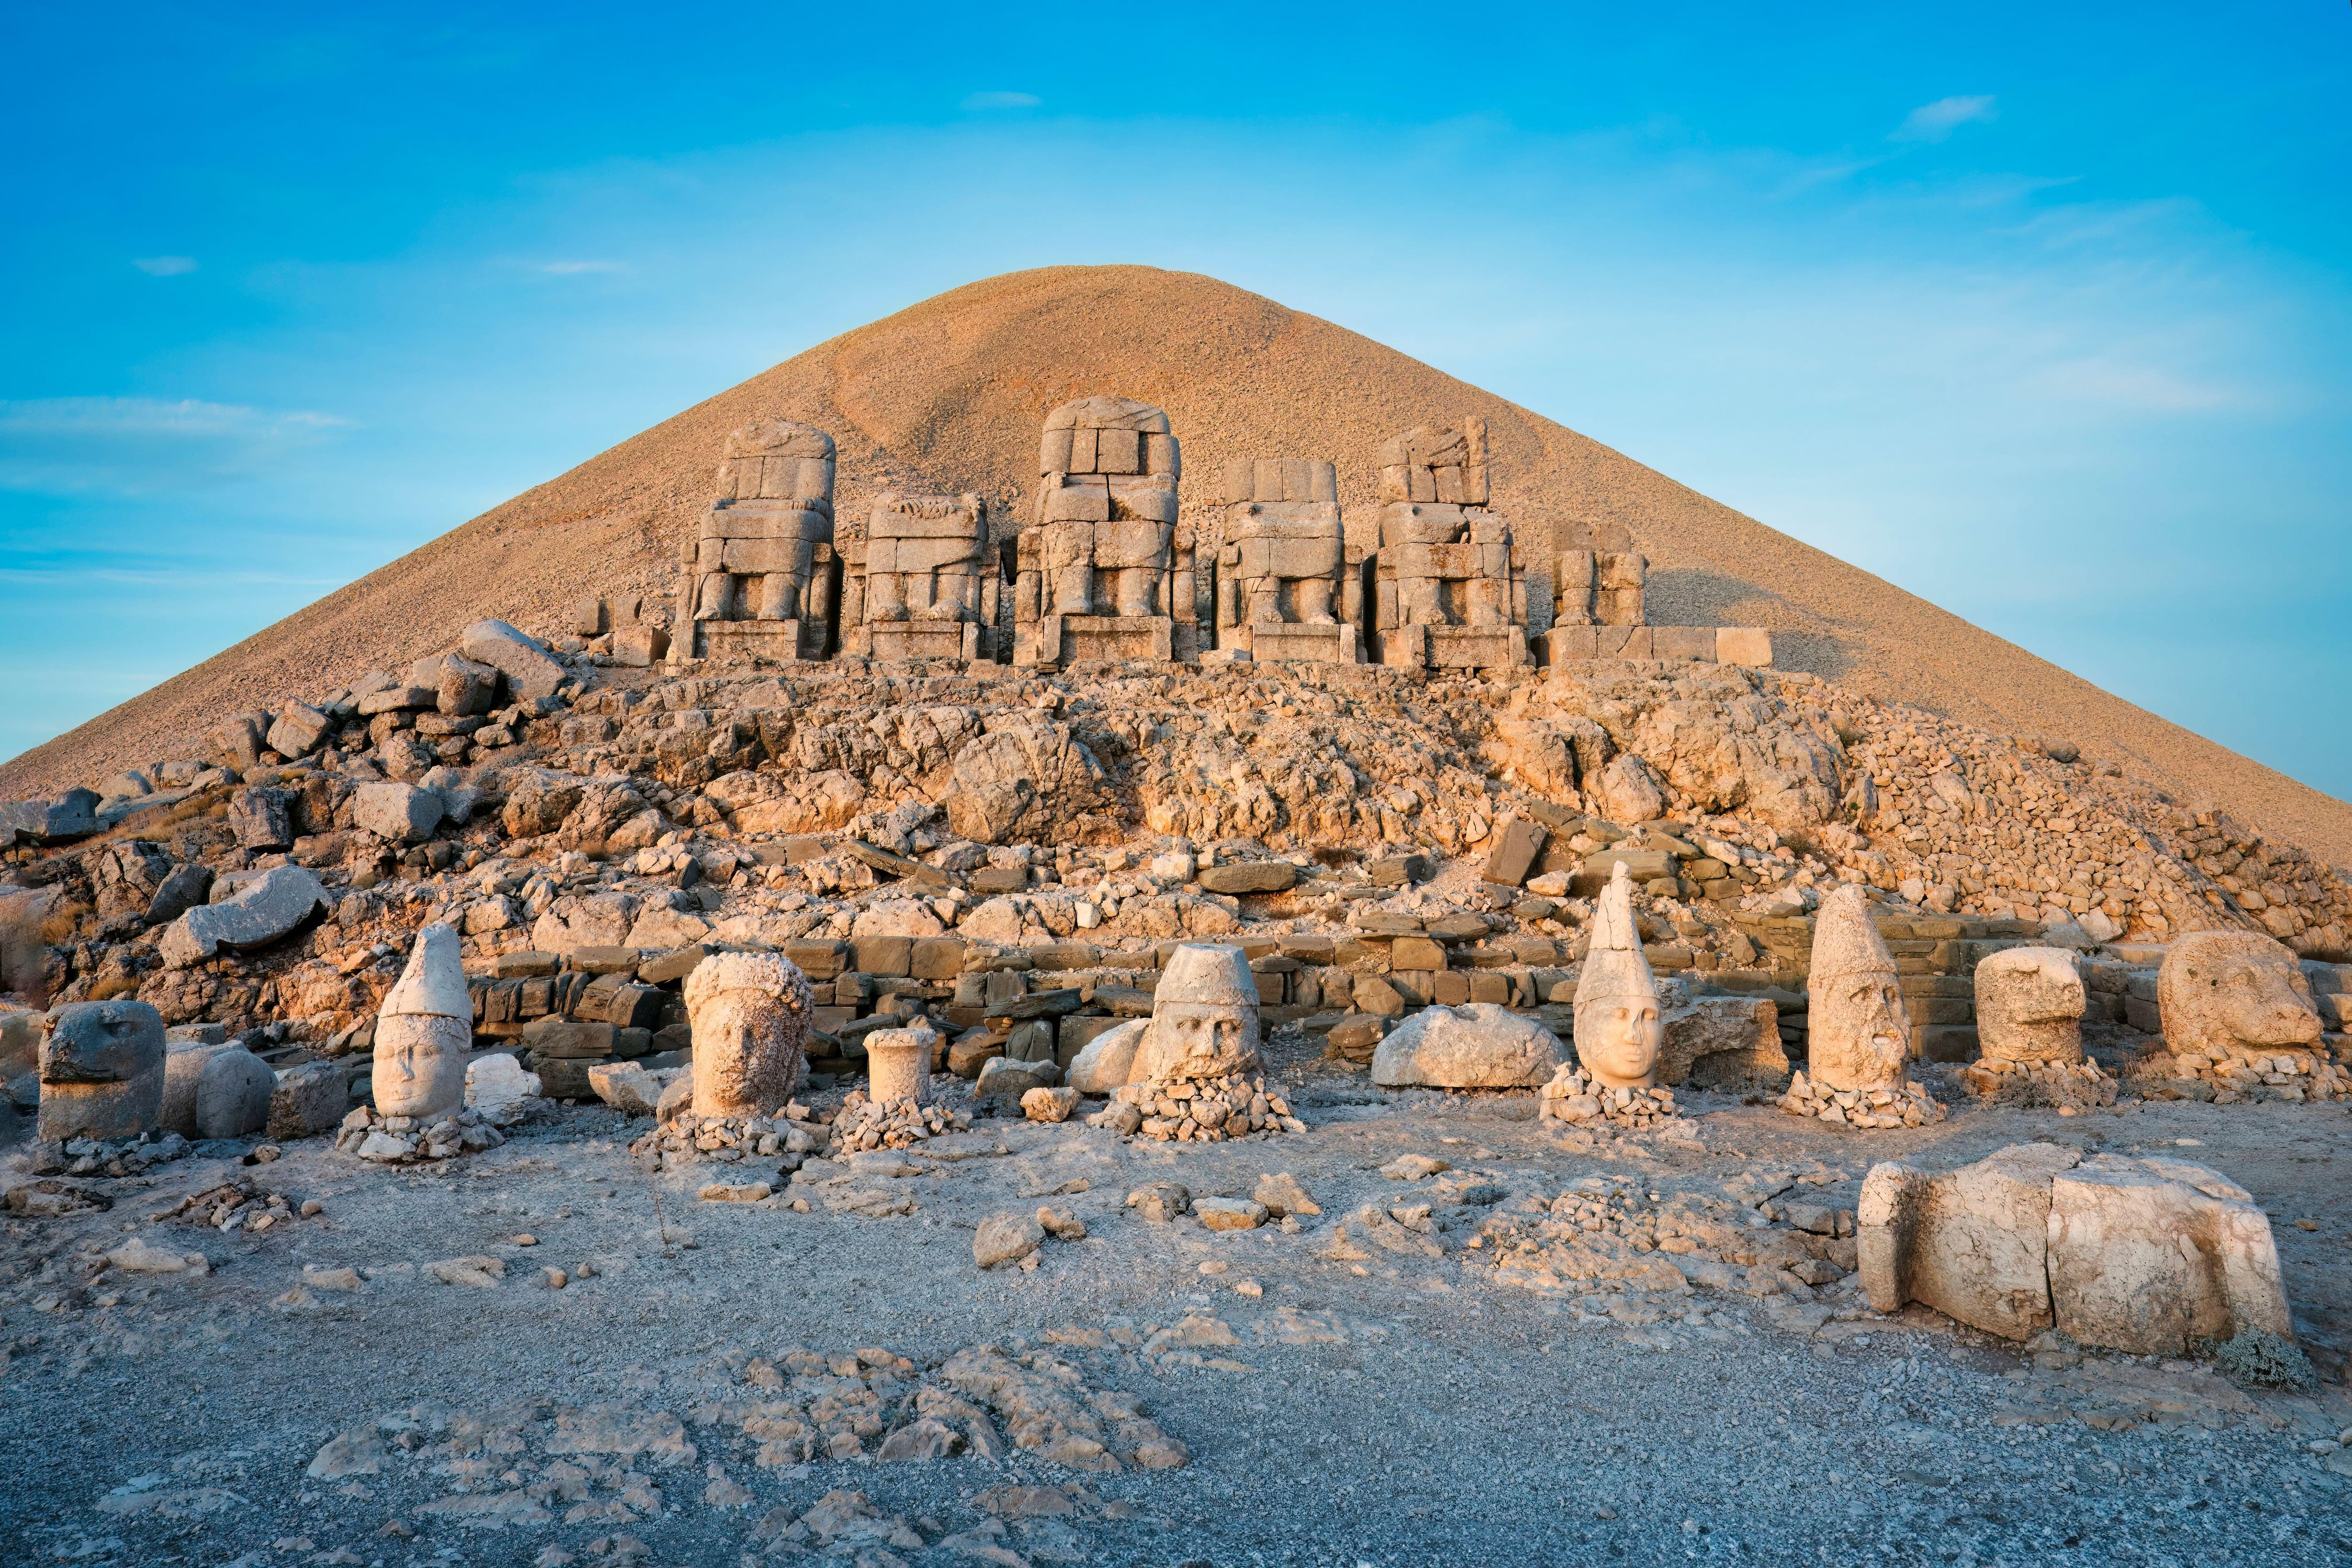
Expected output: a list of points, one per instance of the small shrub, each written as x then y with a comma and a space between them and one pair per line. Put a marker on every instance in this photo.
2262, 1358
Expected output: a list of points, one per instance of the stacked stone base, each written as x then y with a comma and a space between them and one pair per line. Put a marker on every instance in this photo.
2077, 1084
109, 1156
1908, 1106
1207, 1111
1573, 1098
727, 1139
408, 1140
866, 1124
2291, 1076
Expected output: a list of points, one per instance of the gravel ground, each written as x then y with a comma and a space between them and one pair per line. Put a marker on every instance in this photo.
1398, 1410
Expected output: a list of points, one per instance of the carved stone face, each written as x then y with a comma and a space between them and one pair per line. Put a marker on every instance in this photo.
2235, 993
749, 1014
1859, 1034
2029, 1006
101, 1070
420, 1064
1200, 1039
1617, 1040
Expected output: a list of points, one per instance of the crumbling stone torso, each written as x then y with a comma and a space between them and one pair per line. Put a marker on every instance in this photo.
1105, 570
923, 582
762, 576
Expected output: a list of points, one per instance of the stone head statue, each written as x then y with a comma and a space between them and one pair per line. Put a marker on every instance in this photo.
2029, 1006
2233, 993
1618, 1028
749, 1014
423, 1030
1203, 1016
1859, 1032
101, 1070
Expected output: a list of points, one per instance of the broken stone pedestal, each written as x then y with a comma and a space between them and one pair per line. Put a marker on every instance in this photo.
898, 1064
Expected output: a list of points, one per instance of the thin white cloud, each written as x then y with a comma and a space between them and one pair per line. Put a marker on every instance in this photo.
1003, 100
572, 269
164, 266
1934, 121
139, 445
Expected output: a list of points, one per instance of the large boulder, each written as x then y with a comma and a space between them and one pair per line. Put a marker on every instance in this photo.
73, 815
1722, 1042
1025, 778
585, 919
262, 910
529, 672
216, 1091
1480, 1045
1107, 1063
1970, 1243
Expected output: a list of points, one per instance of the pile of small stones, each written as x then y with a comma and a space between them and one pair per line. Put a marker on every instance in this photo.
795, 1130
2061, 1084
109, 1156
1575, 1099
2285, 1075
238, 1205
407, 1141
1205, 1110
863, 1123
1910, 1106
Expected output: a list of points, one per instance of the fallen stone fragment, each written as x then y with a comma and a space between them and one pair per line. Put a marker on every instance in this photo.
1229, 1214
1161, 1201
400, 813
139, 1256
529, 672
721, 1193
1283, 1195
480, 1271
1250, 876
1004, 1238
1049, 1104
318, 1279
1001, 1078
1413, 1167
626, 1087
1481, 1044
1060, 1223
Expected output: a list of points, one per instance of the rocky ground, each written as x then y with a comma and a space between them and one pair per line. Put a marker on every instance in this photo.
1362, 1384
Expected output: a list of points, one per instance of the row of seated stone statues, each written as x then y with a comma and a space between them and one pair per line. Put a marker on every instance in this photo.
1106, 566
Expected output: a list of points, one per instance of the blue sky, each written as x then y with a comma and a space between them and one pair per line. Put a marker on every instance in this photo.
2043, 313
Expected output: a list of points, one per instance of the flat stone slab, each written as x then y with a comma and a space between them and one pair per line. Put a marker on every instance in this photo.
264, 908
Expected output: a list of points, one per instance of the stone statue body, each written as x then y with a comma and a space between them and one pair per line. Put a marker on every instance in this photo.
1860, 1033
2235, 993
423, 1031
101, 1070
1204, 1021
1618, 1024
749, 1014
2029, 1006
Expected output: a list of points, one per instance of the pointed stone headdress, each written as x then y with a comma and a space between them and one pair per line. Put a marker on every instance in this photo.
433, 984
1845, 941
1614, 965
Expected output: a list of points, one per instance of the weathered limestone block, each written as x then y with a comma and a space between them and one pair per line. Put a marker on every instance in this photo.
1480, 1045
1618, 1029
1972, 1244
2151, 1255
1107, 1062
423, 1030
218, 1091
2235, 993
101, 1070
72, 815
260, 912
1105, 567
500, 1088
749, 1014
298, 729
761, 578
1204, 1018
1723, 1042
308, 1099
260, 819
1285, 590
1598, 578
2148, 1256
2029, 1006
530, 673
924, 582
1858, 1032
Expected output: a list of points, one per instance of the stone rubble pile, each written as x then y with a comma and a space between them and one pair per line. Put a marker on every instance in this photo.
2082, 1084
863, 1124
239, 1206
1573, 1096
1206, 1111
1907, 1105
726, 1139
383, 1140
2288, 1076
